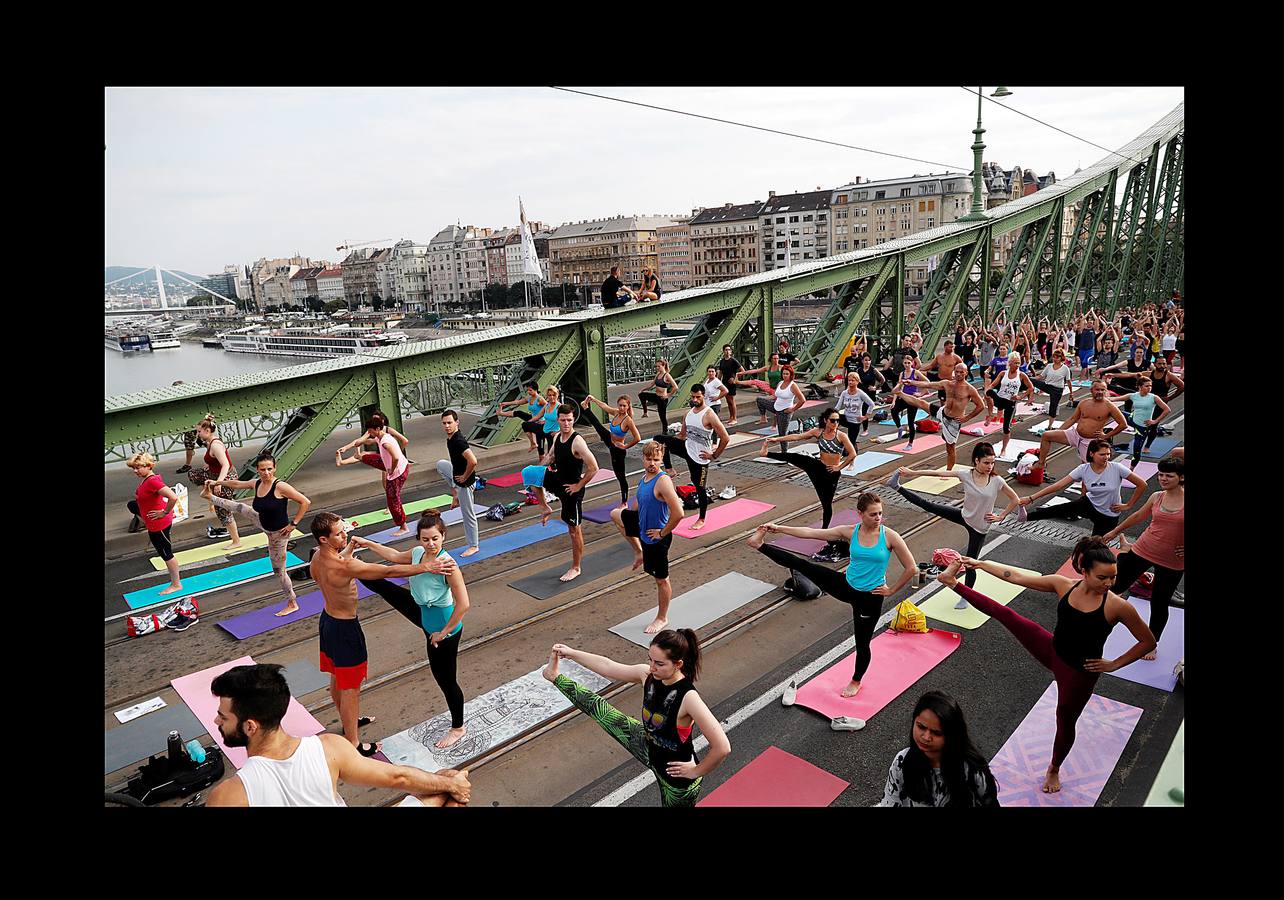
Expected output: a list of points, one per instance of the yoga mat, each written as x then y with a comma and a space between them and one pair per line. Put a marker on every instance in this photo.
886, 438
1043, 426
304, 677
770, 430
870, 459
548, 584
921, 442
740, 438
195, 691
1145, 470
980, 429
603, 473
514, 540
509, 480
930, 484
415, 506
1068, 571
777, 778
260, 621
697, 607
808, 546
222, 548
1030, 409
940, 605
899, 660
918, 415
496, 716
1160, 448
1016, 446
721, 516
1172, 774
1100, 737
208, 581
600, 514
1157, 673
147, 735
1082, 383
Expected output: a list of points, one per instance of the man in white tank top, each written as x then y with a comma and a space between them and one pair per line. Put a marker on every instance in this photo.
283, 770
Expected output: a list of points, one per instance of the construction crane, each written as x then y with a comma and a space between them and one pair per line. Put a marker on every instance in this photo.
352, 246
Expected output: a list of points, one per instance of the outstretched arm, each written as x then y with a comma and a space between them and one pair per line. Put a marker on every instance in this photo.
607, 668
1051, 584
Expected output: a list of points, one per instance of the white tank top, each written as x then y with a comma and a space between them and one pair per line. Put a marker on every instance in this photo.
699, 438
784, 397
1168, 342
1009, 387
1056, 377
302, 780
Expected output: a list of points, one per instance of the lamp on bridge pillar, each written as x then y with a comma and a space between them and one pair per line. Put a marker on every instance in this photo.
977, 214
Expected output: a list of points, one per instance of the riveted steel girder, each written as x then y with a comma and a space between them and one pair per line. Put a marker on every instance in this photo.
940, 316
1033, 252
887, 322
843, 318
726, 331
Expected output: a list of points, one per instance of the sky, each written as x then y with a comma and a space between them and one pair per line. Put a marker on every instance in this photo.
196, 179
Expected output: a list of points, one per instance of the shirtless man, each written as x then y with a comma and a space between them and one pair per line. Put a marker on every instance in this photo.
954, 414
1087, 422
943, 362
343, 644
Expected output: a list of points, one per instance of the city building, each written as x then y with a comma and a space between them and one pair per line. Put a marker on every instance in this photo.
410, 263
299, 287
386, 280
725, 242
223, 283
496, 263
457, 264
675, 253
584, 252
361, 275
330, 284
793, 228
264, 269
275, 287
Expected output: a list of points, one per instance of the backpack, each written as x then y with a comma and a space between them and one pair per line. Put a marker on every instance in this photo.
155, 782
928, 426
815, 392
496, 513
802, 587
689, 495
136, 626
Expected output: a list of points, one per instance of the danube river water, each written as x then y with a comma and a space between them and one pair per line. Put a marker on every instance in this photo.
127, 373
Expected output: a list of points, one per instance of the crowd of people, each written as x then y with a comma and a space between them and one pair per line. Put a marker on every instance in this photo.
985, 369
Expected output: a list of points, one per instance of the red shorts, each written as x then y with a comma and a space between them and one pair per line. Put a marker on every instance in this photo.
343, 651
346, 678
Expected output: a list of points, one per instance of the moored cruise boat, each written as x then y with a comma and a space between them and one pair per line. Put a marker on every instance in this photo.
127, 340
164, 339
339, 340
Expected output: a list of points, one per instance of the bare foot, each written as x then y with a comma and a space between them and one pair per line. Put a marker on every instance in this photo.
548, 514
698, 525
637, 562
763, 451
657, 626
1052, 782
1152, 655
205, 491
571, 574
949, 575
401, 532
171, 589
451, 738
550, 670
733, 422
289, 608
236, 546
454, 503
851, 690
470, 551
759, 537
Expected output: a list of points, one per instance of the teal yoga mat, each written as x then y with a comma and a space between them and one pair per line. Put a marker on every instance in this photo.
208, 581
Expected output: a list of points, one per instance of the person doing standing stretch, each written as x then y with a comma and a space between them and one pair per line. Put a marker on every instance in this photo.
270, 511
393, 464
1003, 391
663, 388
218, 466
1085, 616
649, 529
863, 584
618, 436
694, 443
530, 417
837, 452
458, 473
154, 503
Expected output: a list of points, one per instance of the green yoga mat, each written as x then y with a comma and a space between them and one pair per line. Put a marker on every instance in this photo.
208, 581
1172, 774
940, 606
382, 515
222, 548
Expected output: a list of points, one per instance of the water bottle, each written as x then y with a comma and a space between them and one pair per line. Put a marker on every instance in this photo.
175, 749
195, 751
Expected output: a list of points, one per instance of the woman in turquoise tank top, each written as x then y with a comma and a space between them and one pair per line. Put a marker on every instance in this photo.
863, 583
435, 602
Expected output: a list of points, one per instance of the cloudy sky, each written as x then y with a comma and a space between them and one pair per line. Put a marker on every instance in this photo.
196, 179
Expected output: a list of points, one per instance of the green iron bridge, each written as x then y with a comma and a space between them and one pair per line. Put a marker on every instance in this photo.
1124, 245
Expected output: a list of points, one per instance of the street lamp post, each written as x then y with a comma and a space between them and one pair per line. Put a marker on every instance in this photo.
977, 213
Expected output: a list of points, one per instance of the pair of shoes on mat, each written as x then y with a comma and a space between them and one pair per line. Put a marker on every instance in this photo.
846, 723
215, 534
727, 493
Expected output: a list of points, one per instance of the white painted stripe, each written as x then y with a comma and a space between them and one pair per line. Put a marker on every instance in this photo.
619, 795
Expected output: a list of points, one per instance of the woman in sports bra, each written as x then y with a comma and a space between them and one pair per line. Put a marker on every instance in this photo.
663, 388
837, 452
908, 381
269, 511
1086, 614
531, 426
671, 708
619, 435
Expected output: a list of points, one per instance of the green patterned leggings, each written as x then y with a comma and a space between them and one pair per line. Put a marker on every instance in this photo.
631, 735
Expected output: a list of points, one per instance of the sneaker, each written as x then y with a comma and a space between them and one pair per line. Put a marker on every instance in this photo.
824, 554
136, 525
182, 623
790, 695
727, 493
215, 533
182, 470
846, 723
909, 448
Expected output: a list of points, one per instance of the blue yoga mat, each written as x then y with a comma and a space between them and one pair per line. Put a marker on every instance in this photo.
208, 581
514, 540
1160, 448
870, 460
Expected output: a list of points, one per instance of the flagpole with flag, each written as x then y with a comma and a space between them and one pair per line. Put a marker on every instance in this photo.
530, 258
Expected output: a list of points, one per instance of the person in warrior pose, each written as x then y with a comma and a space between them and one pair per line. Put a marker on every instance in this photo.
1086, 613
671, 708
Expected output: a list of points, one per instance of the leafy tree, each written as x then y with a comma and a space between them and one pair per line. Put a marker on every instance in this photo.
496, 295
200, 300
333, 306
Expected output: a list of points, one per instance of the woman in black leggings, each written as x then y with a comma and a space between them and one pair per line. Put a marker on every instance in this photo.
1003, 393
981, 489
863, 584
908, 381
664, 388
836, 453
435, 602
532, 417
1101, 502
622, 435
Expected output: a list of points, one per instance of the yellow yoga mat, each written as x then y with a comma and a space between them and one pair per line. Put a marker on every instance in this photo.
196, 554
940, 606
382, 515
930, 484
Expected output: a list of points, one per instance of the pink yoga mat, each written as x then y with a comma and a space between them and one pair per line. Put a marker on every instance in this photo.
604, 473
1068, 571
777, 778
808, 546
195, 691
1101, 734
722, 515
980, 429
899, 660
921, 443
505, 480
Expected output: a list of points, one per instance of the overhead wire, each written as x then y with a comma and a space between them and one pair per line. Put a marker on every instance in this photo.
972, 92
803, 137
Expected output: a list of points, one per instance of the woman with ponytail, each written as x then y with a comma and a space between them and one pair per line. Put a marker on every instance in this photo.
941, 766
1087, 613
218, 467
671, 708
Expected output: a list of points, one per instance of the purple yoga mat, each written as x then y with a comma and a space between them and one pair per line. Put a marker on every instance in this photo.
258, 621
808, 546
1172, 647
1100, 737
600, 514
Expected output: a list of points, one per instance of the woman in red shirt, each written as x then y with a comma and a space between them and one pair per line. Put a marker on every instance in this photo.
154, 503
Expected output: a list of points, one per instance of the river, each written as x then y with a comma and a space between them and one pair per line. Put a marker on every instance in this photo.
127, 373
